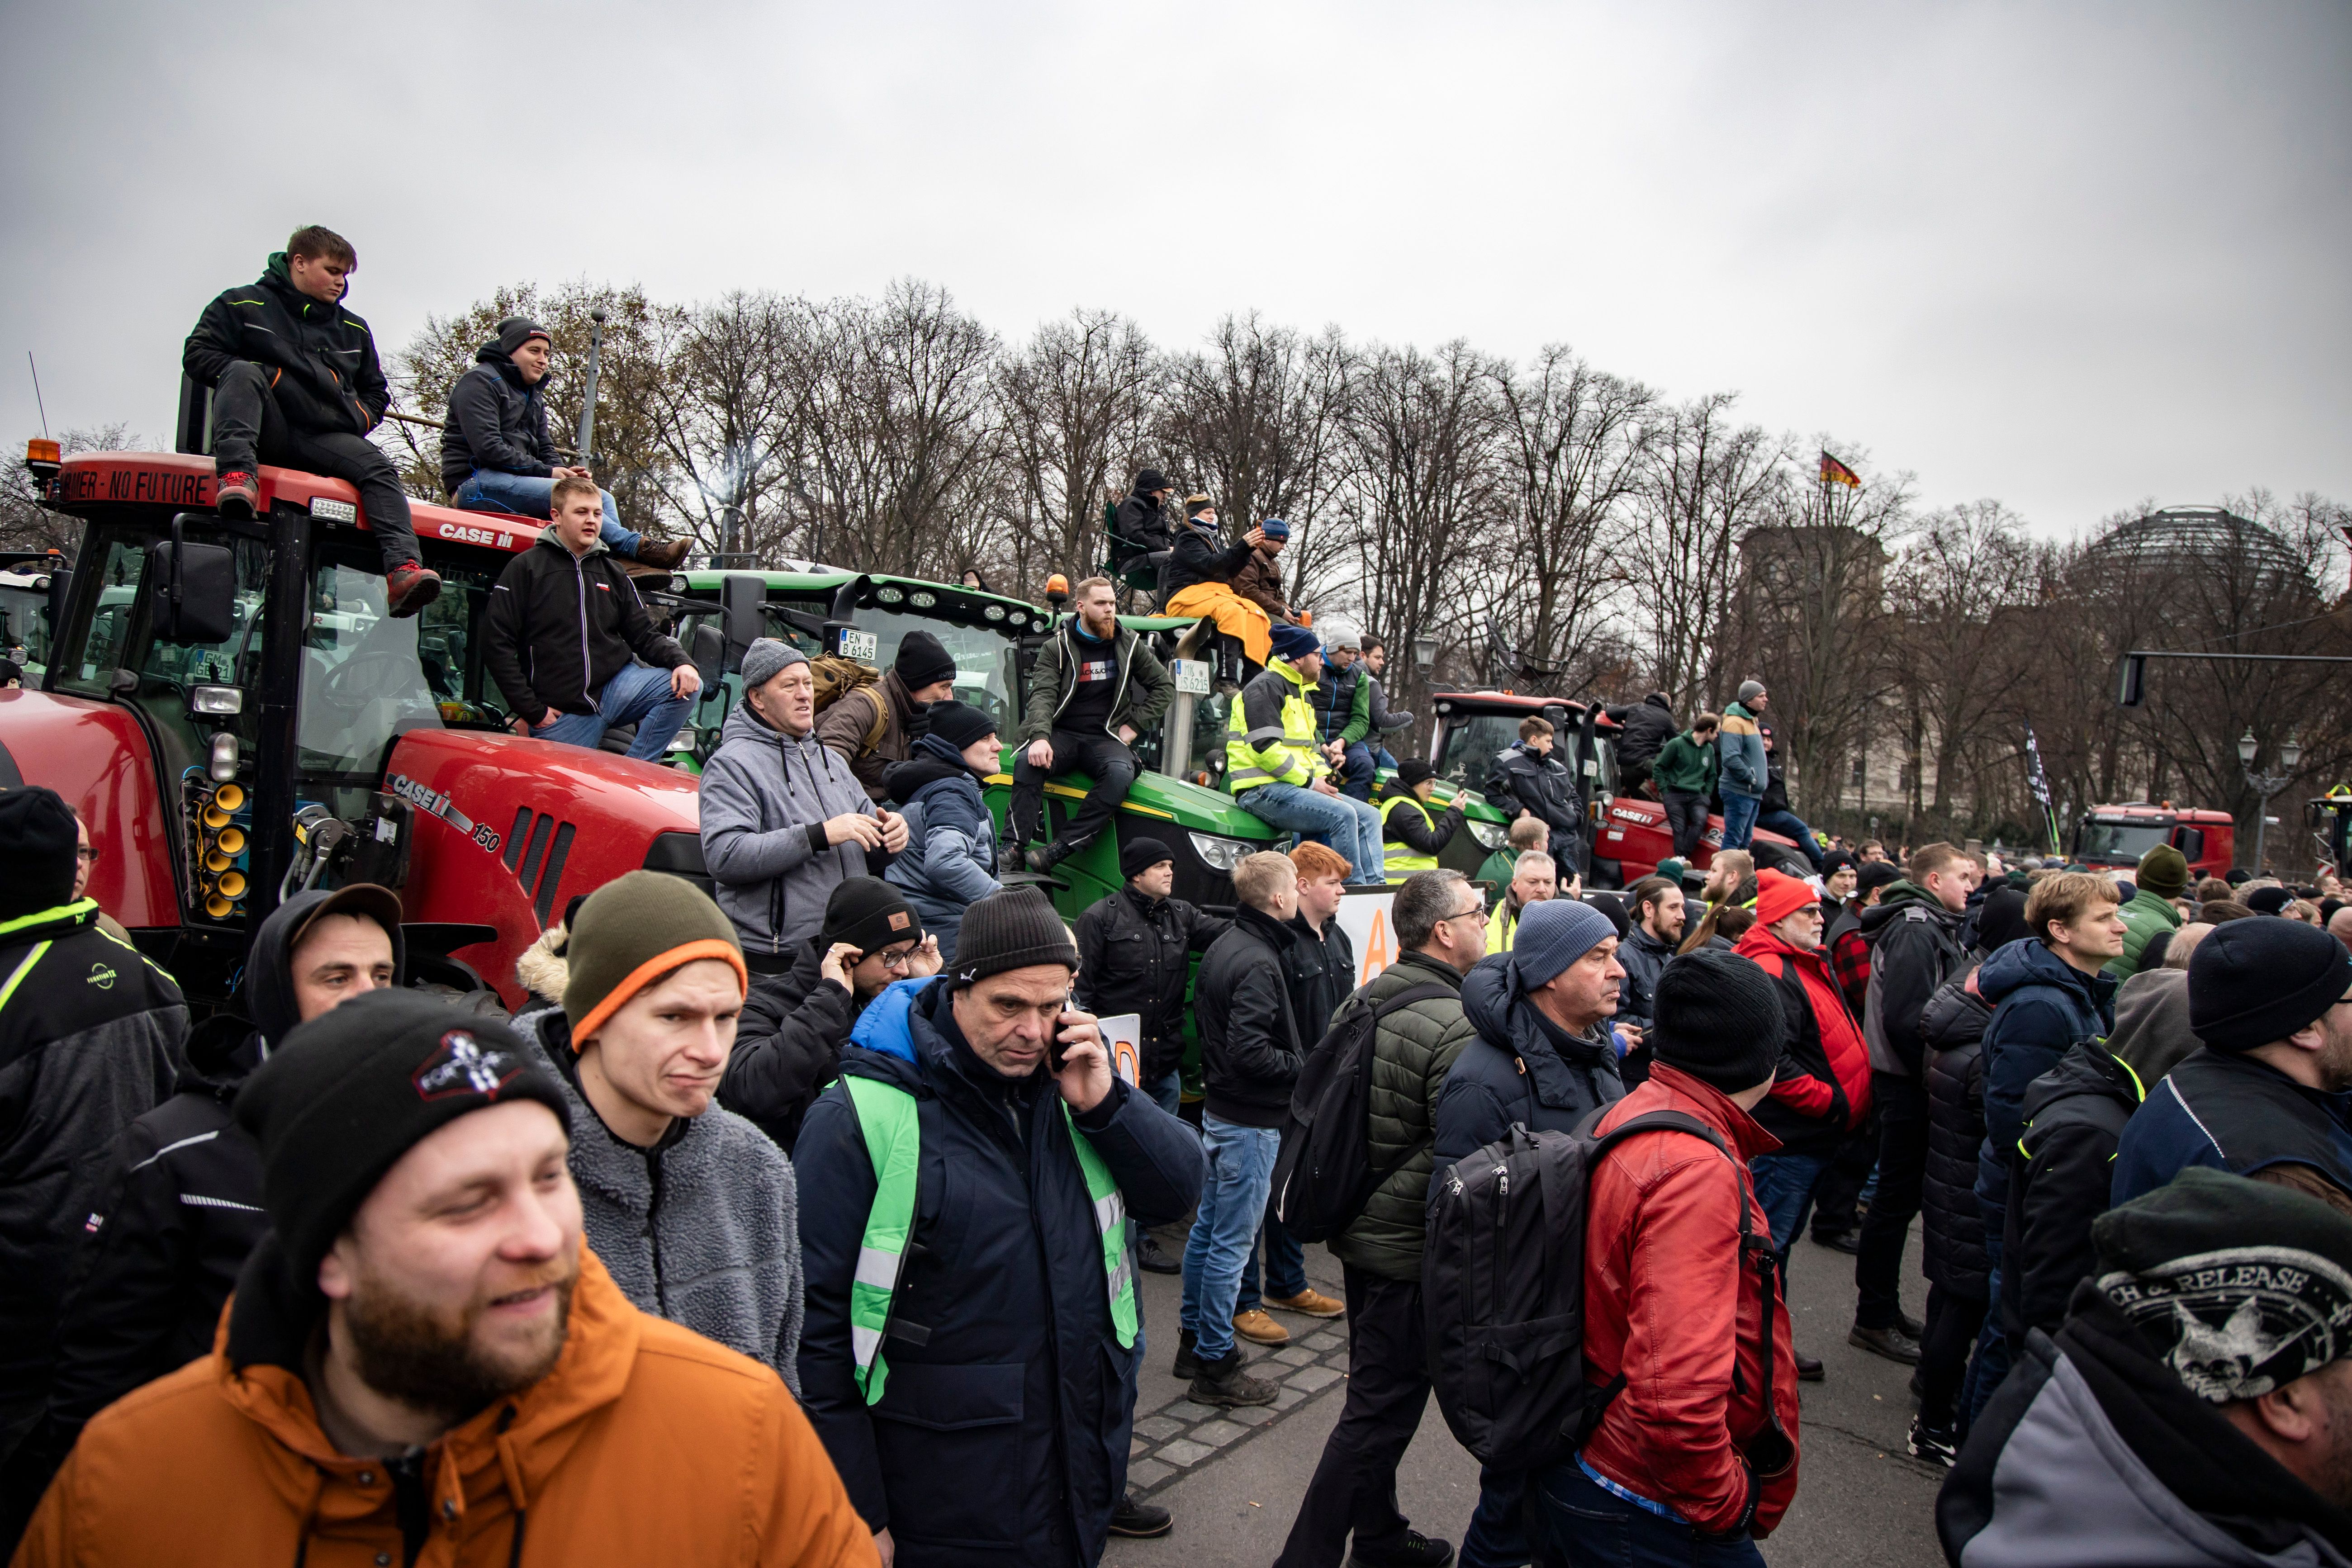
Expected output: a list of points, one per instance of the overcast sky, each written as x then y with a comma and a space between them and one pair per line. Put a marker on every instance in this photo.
2063, 255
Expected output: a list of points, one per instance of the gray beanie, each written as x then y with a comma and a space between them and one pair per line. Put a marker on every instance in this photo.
1554, 934
1749, 691
767, 659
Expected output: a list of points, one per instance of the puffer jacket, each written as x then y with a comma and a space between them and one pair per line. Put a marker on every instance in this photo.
327, 379
1954, 1254
1915, 945
2041, 1007
1671, 1306
1522, 1067
702, 1228
1141, 524
949, 861
495, 423
1824, 1090
605, 1460
91, 1038
1201, 556
2146, 917
1003, 1432
788, 1043
1742, 767
2059, 1177
1135, 955
765, 799
1251, 1043
1413, 1049
1645, 727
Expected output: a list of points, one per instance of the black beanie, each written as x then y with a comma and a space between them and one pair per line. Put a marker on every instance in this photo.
869, 914
1718, 1017
1137, 856
1152, 479
2001, 920
1010, 929
1412, 770
2268, 900
2256, 980
38, 836
517, 331
958, 724
922, 660
350, 1091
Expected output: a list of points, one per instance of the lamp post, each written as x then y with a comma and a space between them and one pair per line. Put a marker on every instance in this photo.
2265, 785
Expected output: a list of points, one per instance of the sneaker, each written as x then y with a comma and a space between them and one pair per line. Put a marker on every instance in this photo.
236, 496
1415, 1550
1933, 1445
1808, 1368
409, 588
1223, 1382
665, 553
1138, 1519
1153, 1259
1892, 1343
1187, 1365
1309, 1302
1260, 1329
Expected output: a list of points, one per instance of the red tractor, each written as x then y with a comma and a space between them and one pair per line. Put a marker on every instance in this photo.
2114, 837
235, 717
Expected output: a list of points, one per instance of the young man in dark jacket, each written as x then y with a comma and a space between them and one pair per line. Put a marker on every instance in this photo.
1530, 779
1644, 728
873, 728
1438, 919
496, 453
562, 623
296, 382
92, 1037
1685, 774
1250, 1048
992, 1422
789, 1040
181, 1203
2195, 1407
1095, 686
1915, 945
1657, 909
1140, 523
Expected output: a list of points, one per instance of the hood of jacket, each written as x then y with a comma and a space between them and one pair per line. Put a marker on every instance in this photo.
1497, 1003
1898, 896
2026, 961
277, 273
266, 992
2087, 1067
934, 762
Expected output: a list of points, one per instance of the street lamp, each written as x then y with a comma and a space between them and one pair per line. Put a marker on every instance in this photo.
1424, 652
2265, 785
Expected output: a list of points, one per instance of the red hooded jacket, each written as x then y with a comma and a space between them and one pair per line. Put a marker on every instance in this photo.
1824, 1090
1668, 1303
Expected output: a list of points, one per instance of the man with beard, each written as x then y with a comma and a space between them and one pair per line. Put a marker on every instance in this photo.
422, 1356
2272, 1000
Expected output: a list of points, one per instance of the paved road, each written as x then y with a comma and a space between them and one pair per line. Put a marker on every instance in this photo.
1234, 1485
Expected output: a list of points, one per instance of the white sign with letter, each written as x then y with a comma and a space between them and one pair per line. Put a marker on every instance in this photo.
1368, 920
1122, 1036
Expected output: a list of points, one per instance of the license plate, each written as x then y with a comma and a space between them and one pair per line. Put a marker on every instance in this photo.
1193, 676
859, 646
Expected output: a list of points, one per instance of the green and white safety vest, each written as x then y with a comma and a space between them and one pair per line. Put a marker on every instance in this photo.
894, 1138
1402, 860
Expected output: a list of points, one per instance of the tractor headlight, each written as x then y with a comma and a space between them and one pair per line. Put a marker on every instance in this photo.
1220, 854
1491, 834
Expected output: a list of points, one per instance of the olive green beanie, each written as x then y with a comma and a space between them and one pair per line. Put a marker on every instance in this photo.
629, 934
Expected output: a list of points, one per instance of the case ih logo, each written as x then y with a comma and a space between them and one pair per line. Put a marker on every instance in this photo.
467, 535
463, 1066
433, 803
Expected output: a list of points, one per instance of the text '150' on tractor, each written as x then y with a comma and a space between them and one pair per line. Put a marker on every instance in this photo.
235, 716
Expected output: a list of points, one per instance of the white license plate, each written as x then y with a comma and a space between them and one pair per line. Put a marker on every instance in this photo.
1193, 676
859, 646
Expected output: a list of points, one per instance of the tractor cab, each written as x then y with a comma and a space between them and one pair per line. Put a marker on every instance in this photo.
2114, 837
236, 717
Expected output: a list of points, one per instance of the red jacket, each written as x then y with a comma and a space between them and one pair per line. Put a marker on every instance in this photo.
1824, 1090
1667, 1302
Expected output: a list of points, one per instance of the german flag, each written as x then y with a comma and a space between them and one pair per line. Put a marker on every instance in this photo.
1836, 472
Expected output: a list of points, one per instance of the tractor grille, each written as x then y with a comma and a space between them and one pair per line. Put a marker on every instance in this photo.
535, 852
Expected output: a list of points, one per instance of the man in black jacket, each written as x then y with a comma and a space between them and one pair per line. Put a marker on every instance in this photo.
2061, 1176
1251, 1049
1139, 526
562, 623
296, 382
496, 453
181, 1197
1774, 816
789, 1037
1644, 729
1135, 954
1533, 782
90, 1038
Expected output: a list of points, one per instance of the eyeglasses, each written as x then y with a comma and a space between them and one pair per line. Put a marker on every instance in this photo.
1475, 911
85, 854
898, 962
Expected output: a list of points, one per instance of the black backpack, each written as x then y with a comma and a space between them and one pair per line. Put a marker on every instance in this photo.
1325, 1175
1503, 1287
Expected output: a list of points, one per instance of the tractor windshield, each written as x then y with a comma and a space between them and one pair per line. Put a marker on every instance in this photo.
23, 626
1472, 745
2112, 843
983, 659
368, 679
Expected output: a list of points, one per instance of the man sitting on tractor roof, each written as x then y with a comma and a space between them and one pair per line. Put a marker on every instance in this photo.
1275, 770
496, 453
296, 382
1095, 686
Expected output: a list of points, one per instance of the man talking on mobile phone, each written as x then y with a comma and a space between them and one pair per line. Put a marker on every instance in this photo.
971, 1345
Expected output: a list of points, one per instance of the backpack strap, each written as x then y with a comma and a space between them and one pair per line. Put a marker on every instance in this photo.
881, 720
1429, 991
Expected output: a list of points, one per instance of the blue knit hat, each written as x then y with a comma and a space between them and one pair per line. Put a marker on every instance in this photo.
1554, 934
1274, 528
1294, 642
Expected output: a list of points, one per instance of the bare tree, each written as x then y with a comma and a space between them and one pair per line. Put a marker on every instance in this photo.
727, 421
25, 523
1076, 406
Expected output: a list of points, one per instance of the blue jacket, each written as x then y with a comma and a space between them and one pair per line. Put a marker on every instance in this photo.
2041, 1007
1745, 767
949, 861
1522, 1067
2233, 1113
1003, 1437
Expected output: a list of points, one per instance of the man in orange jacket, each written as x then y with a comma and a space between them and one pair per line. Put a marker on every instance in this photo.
422, 1363
1822, 1093
1695, 1456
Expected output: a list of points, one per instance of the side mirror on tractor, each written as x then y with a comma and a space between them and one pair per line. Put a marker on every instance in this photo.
194, 587
740, 598
707, 647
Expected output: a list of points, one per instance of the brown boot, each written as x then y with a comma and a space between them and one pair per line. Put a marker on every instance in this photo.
666, 553
1224, 1382
1260, 1329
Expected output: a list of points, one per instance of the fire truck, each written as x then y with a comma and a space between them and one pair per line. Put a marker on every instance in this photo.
2115, 837
235, 716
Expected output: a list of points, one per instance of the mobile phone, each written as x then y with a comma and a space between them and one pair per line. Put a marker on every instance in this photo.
1053, 1040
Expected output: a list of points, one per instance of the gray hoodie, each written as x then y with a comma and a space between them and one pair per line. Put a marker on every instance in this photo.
703, 1228
766, 796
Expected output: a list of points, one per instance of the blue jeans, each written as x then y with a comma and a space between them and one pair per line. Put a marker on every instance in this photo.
1739, 818
1594, 1528
1784, 1190
526, 495
1167, 1092
637, 694
1790, 825
1356, 772
1233, 1203
1384, 757
1344, 823
1286, 1264
1497, 1536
